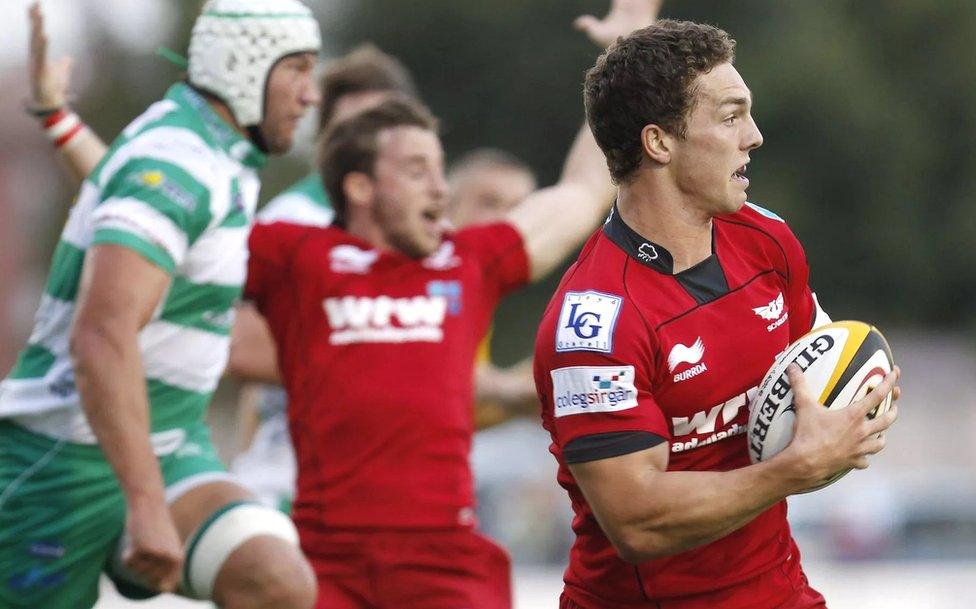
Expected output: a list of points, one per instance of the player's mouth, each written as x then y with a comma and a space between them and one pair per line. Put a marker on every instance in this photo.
433, 221
739, 175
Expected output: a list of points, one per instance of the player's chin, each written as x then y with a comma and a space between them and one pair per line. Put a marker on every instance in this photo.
280, 143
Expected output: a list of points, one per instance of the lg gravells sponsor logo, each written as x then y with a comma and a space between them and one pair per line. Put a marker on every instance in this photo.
773, 311
682, 354
383, 319
705, 422
587, 321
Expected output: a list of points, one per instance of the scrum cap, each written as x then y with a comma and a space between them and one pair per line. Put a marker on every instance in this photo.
235, 43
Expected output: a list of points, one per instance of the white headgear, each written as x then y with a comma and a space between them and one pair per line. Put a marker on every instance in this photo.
235, 43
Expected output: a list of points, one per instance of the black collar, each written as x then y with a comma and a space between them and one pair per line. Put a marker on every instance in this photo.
646, 252
704, 282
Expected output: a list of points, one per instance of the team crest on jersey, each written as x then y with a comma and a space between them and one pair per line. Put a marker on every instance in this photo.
351, 259
587, 321
591, 389
773, 312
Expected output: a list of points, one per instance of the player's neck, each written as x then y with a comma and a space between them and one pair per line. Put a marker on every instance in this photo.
362, 227
664, 218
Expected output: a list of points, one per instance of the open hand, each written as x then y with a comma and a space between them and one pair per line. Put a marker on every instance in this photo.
48, 80
624, 17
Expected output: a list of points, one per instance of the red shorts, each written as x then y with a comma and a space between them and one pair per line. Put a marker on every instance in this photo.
782, 587
395, 569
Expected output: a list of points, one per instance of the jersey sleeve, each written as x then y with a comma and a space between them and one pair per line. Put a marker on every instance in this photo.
501, 253
154, 207
271, 249
597, 396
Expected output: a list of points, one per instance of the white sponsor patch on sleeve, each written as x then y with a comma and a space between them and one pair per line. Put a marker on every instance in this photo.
589, 389
587, 321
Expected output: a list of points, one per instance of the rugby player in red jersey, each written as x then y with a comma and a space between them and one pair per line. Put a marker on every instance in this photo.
658, 336
377, 320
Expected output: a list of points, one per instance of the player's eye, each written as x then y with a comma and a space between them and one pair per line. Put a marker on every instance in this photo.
729, 120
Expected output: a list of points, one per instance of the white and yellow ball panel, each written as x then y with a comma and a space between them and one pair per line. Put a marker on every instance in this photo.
841, 363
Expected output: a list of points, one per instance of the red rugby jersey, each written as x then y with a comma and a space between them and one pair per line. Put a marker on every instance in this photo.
377, 352
627, 346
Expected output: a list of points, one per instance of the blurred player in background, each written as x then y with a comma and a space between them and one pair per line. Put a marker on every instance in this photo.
102, 417
266, 463
377, 320
485, 184
654, 342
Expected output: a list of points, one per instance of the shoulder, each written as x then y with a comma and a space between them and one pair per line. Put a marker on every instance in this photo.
764, 229
761, 221
592, 309
478, 235
282, 238
164, 145
296, 207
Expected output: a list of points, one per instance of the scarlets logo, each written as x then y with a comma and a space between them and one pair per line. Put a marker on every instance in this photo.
773, 311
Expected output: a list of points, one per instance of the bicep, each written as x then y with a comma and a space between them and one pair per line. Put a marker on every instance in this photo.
119, 286
604, 482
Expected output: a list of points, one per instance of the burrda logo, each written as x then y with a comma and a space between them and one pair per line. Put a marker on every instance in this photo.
683, 354
351, 259
773, 311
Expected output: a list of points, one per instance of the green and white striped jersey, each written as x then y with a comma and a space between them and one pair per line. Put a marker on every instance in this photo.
180, 187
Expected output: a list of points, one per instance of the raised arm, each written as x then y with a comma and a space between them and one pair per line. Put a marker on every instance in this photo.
79, 149
555, 220
119, 292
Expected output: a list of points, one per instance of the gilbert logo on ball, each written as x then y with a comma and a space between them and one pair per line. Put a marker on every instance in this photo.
841, 362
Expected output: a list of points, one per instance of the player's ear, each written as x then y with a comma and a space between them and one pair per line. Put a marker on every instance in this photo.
358, 188
657, 143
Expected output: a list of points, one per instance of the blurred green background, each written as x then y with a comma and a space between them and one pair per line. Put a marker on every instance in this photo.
864, 105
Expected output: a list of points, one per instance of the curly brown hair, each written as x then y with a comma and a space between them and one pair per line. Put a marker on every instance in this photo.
352, 144
649, 78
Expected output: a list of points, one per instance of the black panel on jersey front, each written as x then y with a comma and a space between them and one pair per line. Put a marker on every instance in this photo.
607, 445
704, 282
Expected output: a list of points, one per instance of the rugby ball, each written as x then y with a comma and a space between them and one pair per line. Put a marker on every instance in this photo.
841, 363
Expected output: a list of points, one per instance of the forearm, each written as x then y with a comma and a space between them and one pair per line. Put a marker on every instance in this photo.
686, 509
110, 381
586, 168
79, 149
81, 155
554, 221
